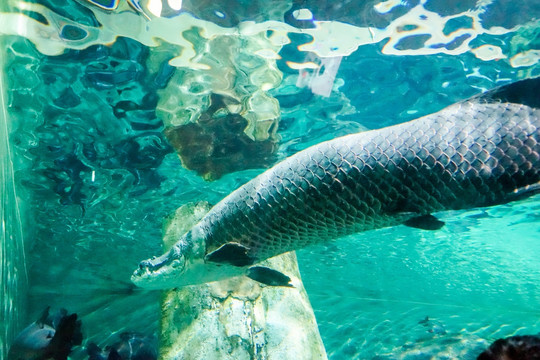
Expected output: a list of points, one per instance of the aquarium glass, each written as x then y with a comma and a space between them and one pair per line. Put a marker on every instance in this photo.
115, 113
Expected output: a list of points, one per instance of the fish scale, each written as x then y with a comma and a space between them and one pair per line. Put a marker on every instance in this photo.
469, 155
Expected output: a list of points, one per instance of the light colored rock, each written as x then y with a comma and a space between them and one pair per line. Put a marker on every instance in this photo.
237, 318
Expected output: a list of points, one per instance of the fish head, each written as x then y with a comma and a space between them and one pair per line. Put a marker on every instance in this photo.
184, 264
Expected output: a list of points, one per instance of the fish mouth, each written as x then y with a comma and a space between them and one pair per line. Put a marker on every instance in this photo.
166, 265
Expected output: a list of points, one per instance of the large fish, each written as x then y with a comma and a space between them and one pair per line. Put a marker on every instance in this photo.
481, 152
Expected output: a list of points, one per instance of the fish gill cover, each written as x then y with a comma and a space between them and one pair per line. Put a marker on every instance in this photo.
120, 111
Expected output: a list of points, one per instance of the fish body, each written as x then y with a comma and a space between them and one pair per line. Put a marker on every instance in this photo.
480, 152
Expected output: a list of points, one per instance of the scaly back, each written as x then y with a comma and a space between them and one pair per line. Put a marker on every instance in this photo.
468, 155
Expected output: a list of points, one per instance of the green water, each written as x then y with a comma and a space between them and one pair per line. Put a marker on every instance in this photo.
90, 92
476, 280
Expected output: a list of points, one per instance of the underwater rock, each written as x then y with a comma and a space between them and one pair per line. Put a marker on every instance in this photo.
50, 337
216, 145
237, 318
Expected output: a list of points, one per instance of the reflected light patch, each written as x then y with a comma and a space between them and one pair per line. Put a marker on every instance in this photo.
526, 58
268, 54
329, 38
301, 66
155, 7
175, 4
303, 14
105, 4
488, 52
386, 6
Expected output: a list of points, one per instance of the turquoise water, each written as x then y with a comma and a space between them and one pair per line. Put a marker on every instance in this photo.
475, 279
92, 92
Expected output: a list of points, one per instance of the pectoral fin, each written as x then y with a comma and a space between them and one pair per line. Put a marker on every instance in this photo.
231, 253
43, 318
268, 276
425, 222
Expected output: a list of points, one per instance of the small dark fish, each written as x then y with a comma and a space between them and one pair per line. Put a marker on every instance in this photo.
424, 321
50, 337
131, 346
434, 326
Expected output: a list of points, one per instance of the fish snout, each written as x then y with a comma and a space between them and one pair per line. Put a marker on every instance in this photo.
156, 261
172, 260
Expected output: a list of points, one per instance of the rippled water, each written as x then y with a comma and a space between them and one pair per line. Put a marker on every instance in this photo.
475, 280
93, 94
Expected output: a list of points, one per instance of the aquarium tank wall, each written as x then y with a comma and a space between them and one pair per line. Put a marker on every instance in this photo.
122, 122
13, 272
